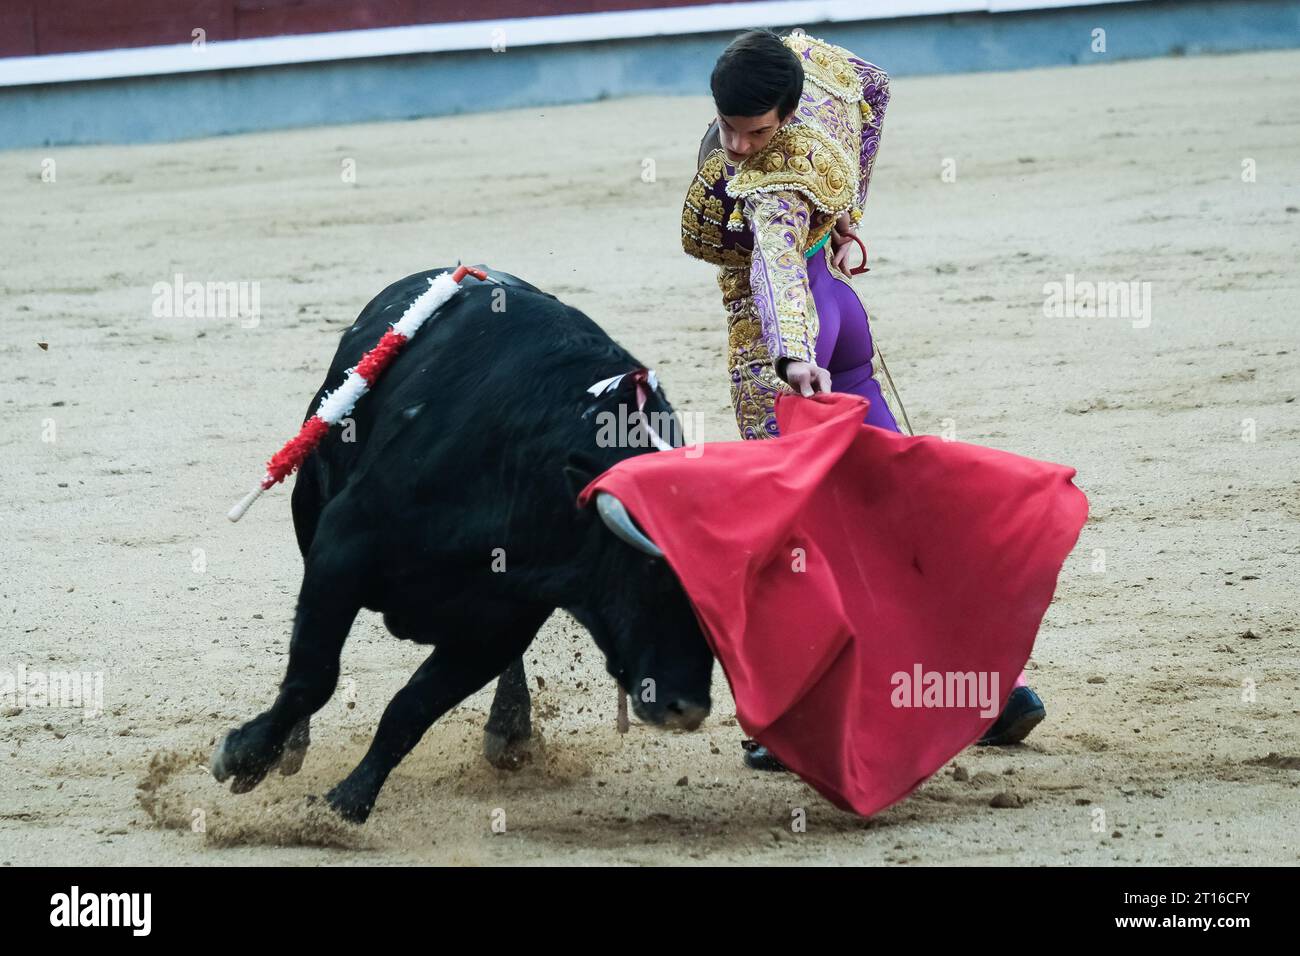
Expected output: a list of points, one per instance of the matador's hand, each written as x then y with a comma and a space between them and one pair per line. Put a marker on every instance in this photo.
805, 377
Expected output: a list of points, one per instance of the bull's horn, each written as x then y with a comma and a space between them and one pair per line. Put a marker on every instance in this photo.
616, 518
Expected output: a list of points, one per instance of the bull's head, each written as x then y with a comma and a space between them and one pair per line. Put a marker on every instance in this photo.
642, 620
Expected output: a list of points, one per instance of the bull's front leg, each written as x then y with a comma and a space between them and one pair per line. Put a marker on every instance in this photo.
327, 605
451, 673
509, 725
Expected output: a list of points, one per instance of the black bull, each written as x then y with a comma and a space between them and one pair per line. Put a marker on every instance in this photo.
452, 512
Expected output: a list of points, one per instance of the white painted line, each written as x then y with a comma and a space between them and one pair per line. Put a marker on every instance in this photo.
480, 35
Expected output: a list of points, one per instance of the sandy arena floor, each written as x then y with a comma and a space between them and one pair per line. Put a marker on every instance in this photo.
1180, 598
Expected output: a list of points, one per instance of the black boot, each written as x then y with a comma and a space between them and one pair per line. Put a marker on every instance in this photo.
758, 757
1024, 712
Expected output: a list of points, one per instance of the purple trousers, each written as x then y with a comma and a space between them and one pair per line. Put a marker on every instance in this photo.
844, 345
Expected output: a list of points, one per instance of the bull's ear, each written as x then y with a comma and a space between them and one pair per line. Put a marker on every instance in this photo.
579, 470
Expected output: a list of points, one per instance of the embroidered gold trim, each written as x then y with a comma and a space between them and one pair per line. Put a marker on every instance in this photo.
802, 158
714, 253
734, 283
815, 236
754, 387
702, 218
828, 66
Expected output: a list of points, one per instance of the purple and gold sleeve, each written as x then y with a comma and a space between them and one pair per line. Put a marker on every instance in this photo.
778, 275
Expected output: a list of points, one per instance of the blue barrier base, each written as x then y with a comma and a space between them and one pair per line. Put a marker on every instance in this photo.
183, 106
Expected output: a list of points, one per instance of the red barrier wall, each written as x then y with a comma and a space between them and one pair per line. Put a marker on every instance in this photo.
29, 27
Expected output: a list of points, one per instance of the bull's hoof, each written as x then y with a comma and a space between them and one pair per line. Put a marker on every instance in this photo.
292, 761
295, 749
504, 752
238, 760
350, 803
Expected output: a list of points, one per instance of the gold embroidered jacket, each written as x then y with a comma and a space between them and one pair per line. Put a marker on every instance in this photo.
757, 220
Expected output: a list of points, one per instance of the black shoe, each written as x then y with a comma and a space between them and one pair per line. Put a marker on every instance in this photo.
758, 757
1024, 712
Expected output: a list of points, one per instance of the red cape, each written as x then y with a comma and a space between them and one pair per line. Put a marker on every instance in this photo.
917, 553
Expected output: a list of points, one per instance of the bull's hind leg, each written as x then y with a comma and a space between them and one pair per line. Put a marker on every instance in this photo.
327, 605
306, 502
509, 725
454, 671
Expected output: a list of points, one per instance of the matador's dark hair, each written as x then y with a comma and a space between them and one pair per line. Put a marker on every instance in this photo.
757, 73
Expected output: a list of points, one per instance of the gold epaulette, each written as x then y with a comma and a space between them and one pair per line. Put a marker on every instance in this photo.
802, 158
